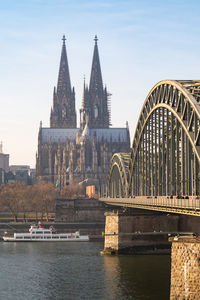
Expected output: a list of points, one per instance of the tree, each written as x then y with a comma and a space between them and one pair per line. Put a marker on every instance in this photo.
24, 198
46, 194
34, 200
73, 191
10, 197
19, 197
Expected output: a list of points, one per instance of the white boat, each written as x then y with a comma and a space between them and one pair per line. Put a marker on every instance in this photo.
41, 234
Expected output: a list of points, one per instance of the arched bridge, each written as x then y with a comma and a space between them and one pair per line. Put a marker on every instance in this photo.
162, 172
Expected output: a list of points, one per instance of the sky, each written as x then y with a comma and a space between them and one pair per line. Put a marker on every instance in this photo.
140, 43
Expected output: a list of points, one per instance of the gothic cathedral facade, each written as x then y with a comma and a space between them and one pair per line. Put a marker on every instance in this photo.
67, 154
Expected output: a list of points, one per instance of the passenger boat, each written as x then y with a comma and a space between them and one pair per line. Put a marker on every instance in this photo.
41, 234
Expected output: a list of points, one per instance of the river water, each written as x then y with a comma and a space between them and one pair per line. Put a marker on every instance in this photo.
59, 271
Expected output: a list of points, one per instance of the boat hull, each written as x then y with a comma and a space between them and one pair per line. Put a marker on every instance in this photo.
41, 234
11, 239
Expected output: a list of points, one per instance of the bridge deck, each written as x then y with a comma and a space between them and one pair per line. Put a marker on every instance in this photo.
189, 206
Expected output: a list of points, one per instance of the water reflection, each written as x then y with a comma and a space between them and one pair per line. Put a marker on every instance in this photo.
112, 277
137, 277
60, 271
50, 271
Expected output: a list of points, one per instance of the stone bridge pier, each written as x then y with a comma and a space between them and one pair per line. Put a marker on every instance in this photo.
134, 231
137, 231
185, 268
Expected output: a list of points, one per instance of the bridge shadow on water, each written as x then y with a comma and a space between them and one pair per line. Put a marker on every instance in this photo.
137, 277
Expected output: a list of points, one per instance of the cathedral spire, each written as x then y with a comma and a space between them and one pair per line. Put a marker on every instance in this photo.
83, 97
98, 98
54, 98
95, 39
64, 84
83, 106
96, 77
63, 114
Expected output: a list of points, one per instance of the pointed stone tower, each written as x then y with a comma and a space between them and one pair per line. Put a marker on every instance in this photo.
63, 113
67, 154
95, 99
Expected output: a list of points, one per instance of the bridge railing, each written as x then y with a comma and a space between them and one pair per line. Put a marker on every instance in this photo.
190, 202
187, 203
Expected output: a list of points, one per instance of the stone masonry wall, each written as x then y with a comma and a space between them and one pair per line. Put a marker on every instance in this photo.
111, 231
185, 269
124, 230
79, 210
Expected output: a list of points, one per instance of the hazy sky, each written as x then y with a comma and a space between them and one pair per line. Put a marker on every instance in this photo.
140, 43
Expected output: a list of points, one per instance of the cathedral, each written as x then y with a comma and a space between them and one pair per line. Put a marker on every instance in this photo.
67, 154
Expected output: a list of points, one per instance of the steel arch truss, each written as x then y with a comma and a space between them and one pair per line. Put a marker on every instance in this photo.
165, 155
117, 184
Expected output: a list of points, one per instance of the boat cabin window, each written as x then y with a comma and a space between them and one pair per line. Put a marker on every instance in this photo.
39, 232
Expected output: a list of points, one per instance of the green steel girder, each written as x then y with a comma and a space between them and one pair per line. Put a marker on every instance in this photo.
165, 154
181, 100
119, 162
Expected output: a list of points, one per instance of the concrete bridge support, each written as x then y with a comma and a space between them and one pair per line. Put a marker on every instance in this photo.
185, 268
136, 231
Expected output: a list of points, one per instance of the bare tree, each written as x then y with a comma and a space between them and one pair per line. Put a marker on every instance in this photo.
10, 198
19, 197
24, 199
73, 191
46, 194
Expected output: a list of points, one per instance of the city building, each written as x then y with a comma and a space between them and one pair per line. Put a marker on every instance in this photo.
2, 176
19, 168
4, 159
22, 173
67, 154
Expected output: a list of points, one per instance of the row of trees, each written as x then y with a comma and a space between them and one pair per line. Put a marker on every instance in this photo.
38, 199
21, 198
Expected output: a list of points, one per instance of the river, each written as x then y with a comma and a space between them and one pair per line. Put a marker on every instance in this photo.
59, 271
